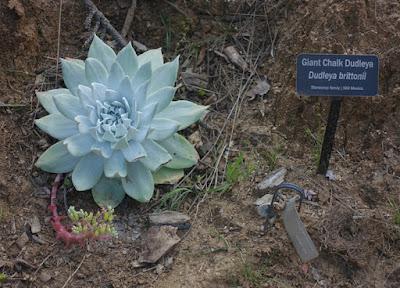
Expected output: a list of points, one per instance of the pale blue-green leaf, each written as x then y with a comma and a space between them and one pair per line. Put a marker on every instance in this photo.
164, 76
128, 60
183, 153
99, 91
102, 149
115, 166
79, 144
166, 175
141, 76
148, 113
69, 106
162, 128
57, 159
46, 99
84, 124
153, 56
184, 112
156, 155
73, 75
116, 76
108, 192
102, 52
140, 95
87, 172
134, 151
162, 97
139, 184
85, 95
95, 71
126, 90
57, 126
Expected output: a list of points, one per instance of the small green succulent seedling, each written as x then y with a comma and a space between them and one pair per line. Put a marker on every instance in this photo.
99, 225
117, 124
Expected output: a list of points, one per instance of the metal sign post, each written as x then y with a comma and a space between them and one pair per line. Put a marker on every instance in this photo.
338, 76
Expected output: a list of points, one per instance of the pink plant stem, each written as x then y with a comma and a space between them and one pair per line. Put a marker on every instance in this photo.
62, 233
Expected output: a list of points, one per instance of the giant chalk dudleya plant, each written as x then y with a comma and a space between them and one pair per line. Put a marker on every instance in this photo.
117, 124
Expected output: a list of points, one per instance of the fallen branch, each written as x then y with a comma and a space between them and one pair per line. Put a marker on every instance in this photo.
102, 21
129, 19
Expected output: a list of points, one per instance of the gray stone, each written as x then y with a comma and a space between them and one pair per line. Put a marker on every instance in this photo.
273, 179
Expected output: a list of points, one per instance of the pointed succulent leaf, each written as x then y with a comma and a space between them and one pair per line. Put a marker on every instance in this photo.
108, 192
126, 90
156, 155
57, 126
57, 159
86, 96
134, 151
47, 101
87, 172
148, 113
140, 95
153, 56
164, 76
183, 153
184, 112
95, 71
102, 149
73, 75
139, 184
69, 105
166, 175
79, 144
162, 97
115, 166
102, 52
116, 76
162, 129
142, 75
128, 60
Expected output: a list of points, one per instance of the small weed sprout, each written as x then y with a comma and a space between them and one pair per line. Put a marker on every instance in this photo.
396, 215
3, 277
99, 224
317, 147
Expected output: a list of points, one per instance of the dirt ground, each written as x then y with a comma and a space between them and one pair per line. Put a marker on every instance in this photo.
354, 220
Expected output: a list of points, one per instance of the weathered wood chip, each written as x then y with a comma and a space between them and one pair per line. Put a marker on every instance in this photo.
35, 225
22, 240
168, 218
157, 241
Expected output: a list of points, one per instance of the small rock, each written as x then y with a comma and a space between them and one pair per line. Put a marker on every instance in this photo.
35, 225
261, 88
168, 262
157, 241
273, 179
22, 240
265, 200
168, 218
44, 276
330, 175
159, 269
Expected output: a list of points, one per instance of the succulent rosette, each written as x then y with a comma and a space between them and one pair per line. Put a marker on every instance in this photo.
117, 124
